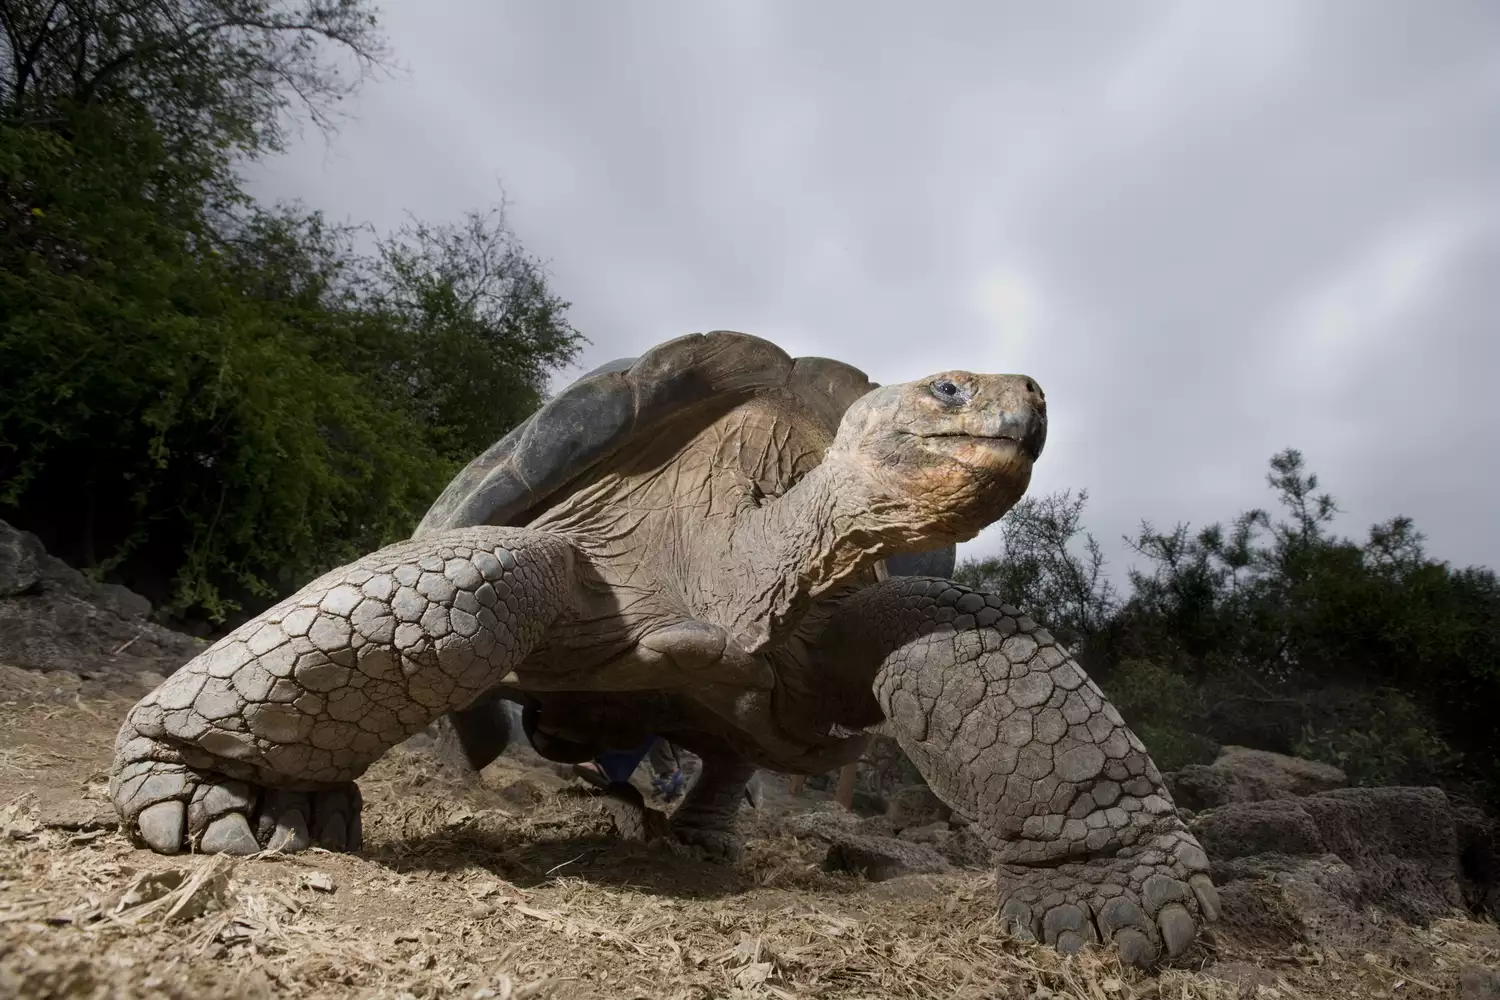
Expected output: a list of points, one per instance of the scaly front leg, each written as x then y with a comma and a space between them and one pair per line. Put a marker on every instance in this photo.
257, 742
1009, 732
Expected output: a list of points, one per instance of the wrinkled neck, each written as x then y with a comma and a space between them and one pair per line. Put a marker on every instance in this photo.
823, 532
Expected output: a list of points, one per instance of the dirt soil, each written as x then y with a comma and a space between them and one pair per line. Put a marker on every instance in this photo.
522, 887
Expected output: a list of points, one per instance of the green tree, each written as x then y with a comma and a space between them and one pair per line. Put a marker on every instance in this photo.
212, 75
481, 328
206, 399
1041, 569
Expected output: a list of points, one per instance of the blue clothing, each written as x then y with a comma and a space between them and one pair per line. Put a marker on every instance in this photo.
668, 785
619, 765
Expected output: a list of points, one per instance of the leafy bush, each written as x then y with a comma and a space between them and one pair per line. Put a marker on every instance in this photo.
1278, 634
1167, 711
1382, 737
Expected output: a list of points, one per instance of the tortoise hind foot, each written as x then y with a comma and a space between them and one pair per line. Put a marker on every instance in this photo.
709, 813
719, 843
1149, 901
170, 808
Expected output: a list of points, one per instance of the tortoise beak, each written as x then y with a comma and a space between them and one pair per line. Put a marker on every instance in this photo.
1028, 428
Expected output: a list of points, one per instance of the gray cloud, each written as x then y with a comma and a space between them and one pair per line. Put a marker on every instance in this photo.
1210, 231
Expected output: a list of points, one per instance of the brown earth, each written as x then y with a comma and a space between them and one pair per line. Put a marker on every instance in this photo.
521, 887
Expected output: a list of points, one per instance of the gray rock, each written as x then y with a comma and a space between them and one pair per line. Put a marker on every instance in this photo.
1329, 870
1479, 851
881, 858
964, 849
1400, 841
54, 618
916, 805
1244, 775
19, 572
1272, 903
932, 833
826, 824
910, 888
1245, 829
852, 847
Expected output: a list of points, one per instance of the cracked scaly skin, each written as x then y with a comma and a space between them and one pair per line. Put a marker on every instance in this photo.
257, 741
1009, 732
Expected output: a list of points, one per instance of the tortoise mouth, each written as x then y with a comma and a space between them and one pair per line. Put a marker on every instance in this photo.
1030, 442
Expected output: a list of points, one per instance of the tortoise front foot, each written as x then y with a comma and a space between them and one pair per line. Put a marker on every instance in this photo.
1149, 901
171, 808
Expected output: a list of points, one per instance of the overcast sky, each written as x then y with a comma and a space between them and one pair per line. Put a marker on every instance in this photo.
1210, 230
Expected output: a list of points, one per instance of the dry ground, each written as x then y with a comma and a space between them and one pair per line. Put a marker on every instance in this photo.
522, 888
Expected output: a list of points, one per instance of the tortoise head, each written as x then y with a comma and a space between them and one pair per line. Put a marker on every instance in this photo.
955, 450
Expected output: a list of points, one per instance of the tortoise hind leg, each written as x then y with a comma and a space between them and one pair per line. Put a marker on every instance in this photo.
257, 742
709, 811
466, 741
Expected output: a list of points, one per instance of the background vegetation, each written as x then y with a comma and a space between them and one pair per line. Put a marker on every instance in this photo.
1274, 632
206, 398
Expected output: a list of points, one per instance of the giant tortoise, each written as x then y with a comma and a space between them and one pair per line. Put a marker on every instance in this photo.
693, 544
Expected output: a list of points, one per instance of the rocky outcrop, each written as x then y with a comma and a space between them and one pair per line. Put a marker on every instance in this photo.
881, 858
54, 618
1332, 869
875, 847
1240, 774
1402, 841
916, 805
1478, 860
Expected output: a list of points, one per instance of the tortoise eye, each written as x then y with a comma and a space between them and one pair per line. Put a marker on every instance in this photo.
950, 391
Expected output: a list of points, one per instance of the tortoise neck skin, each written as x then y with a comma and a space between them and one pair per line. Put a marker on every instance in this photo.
823, 532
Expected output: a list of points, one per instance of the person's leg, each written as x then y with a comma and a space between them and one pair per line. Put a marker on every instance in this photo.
667, 774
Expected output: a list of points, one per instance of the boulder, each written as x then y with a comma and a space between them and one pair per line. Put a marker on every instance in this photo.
825, 824
861, 845
1400, 841
1240, 774
1478, 860
1330, 869
881, 858
911, 888
1275, 903
916, 805
19, 571
932, 833
54, 618
964, 849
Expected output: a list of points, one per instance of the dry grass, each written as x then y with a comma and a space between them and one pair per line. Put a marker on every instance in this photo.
521, 889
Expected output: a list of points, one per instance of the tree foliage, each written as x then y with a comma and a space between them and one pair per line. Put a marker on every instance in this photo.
211, 75
1041, 568
205, 398
1275, 632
